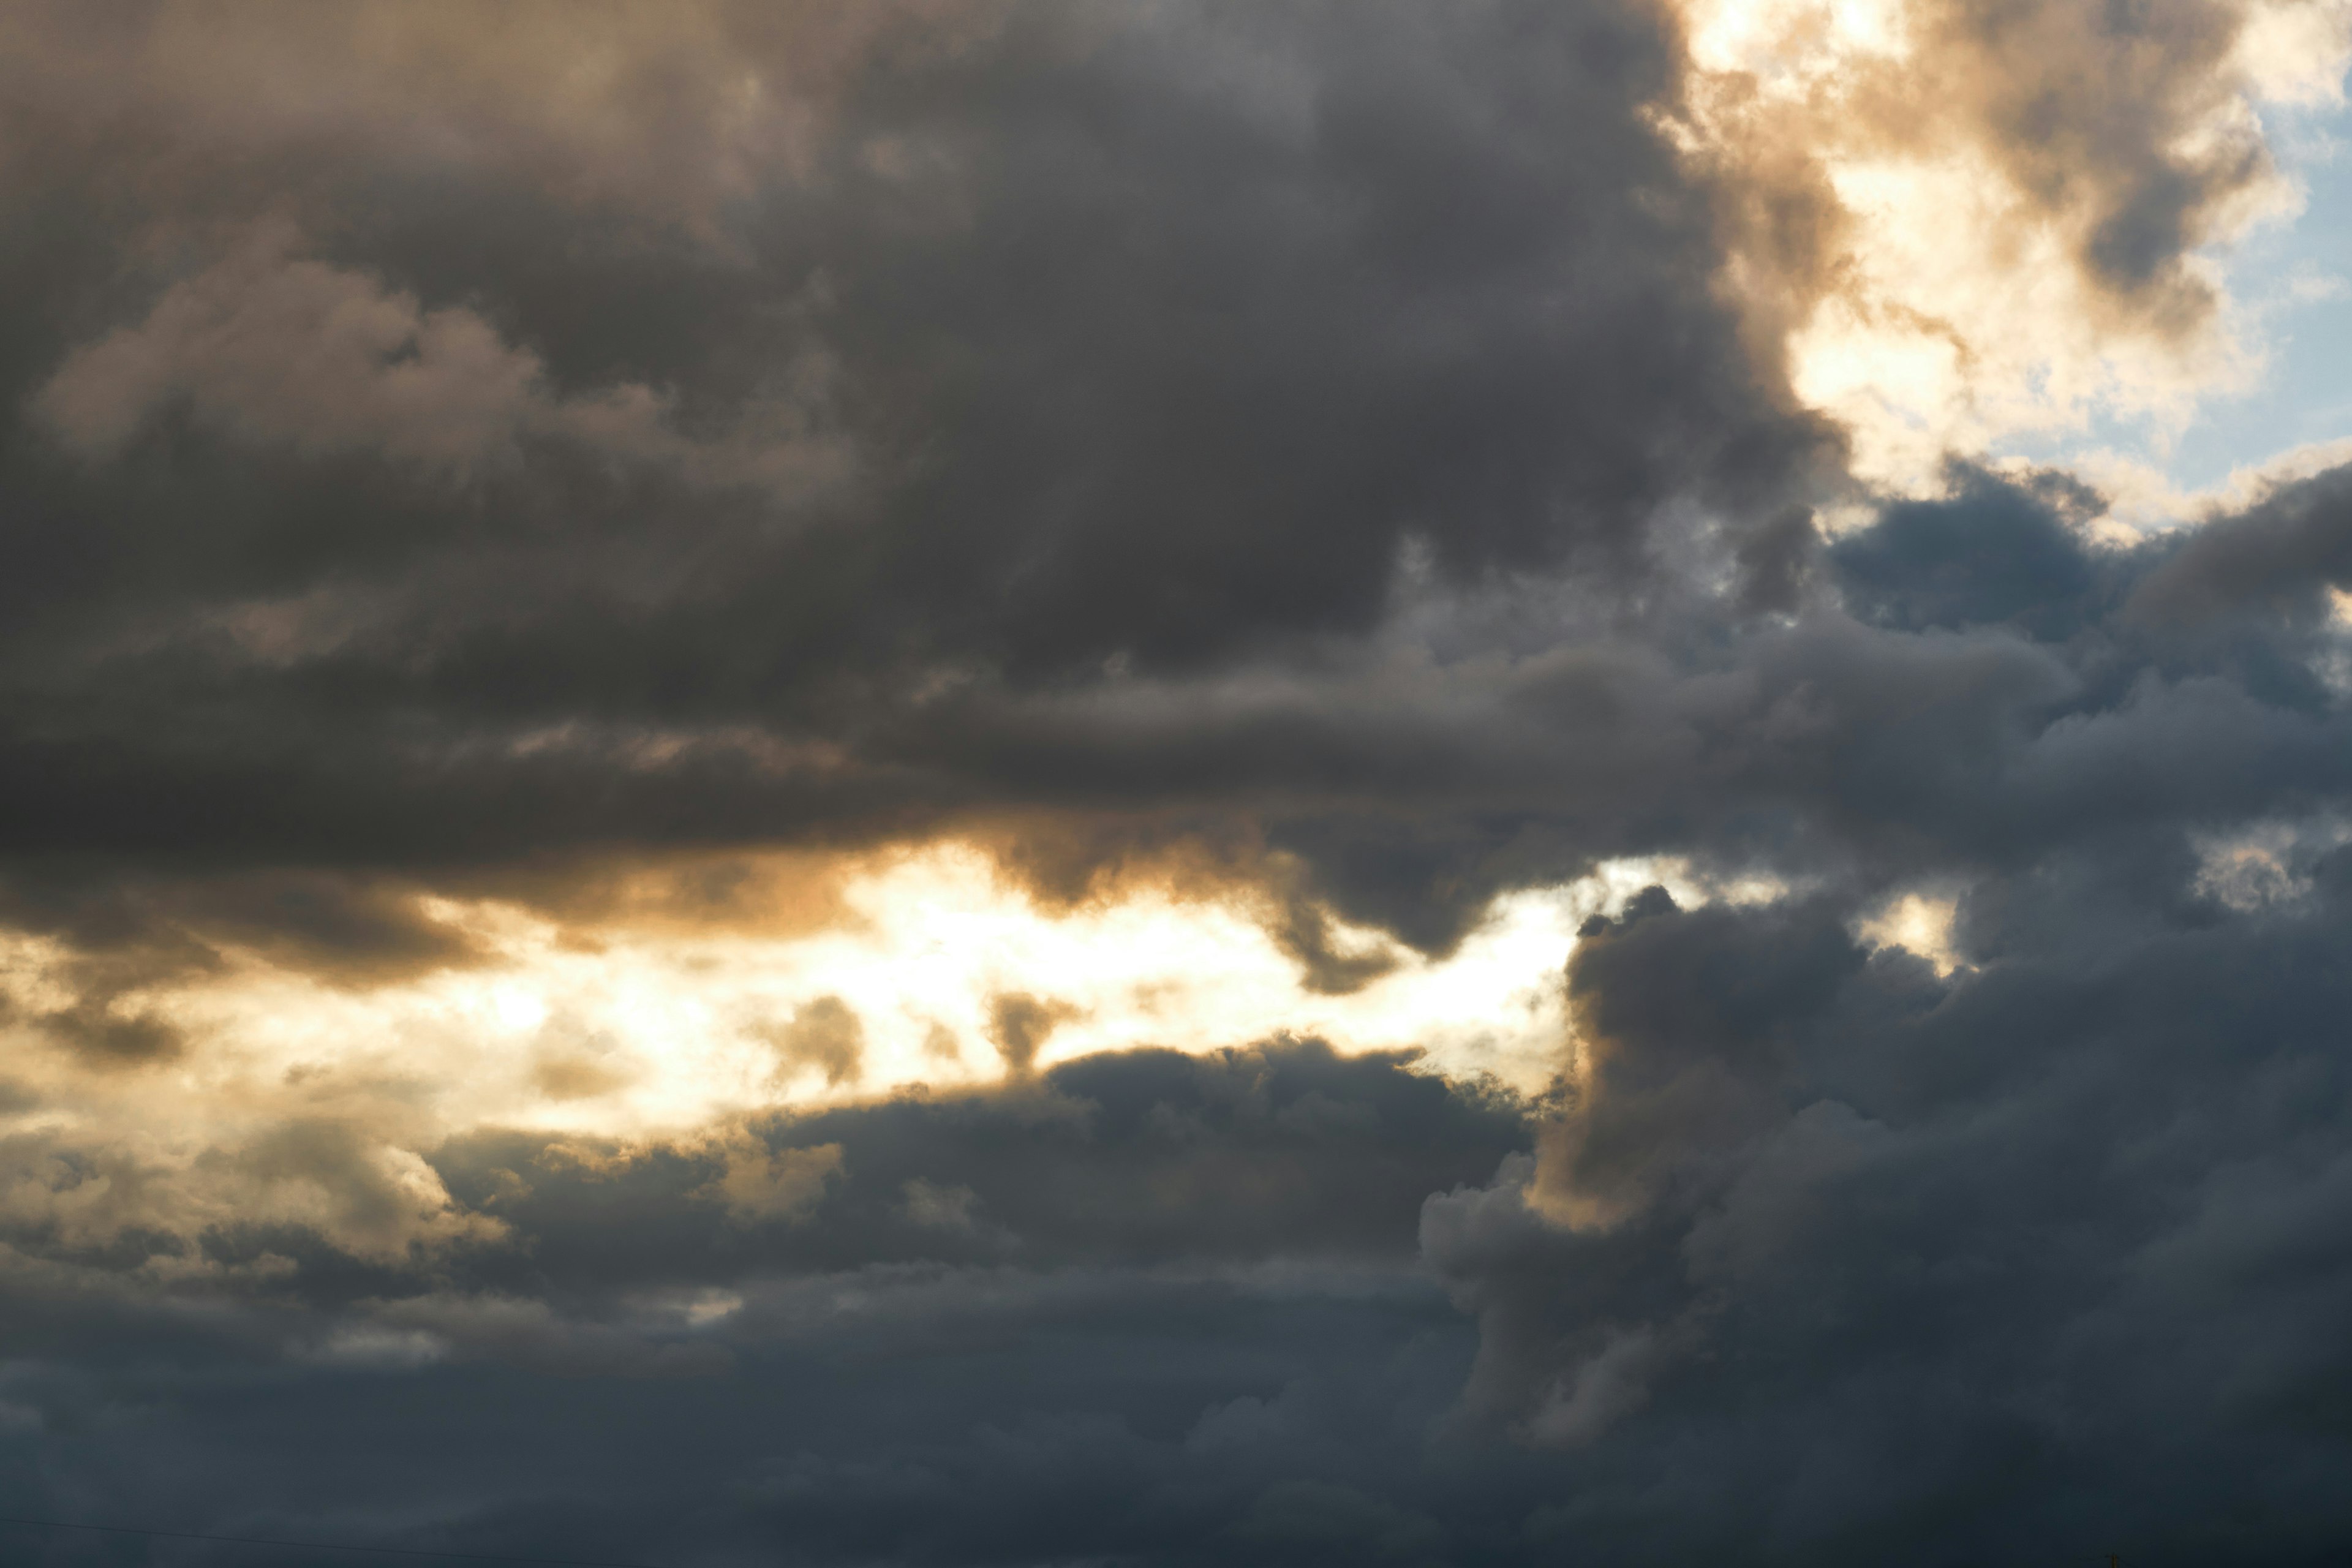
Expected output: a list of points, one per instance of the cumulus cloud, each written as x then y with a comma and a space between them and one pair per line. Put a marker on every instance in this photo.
148, 1207
1913, 1184
675, 688
274, 349
1971, 224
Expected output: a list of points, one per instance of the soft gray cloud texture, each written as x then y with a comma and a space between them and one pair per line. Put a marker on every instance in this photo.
1339, 463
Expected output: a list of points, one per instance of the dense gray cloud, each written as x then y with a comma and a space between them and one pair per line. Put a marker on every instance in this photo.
1179, 1268
1153, 343
2042, 1252
1337, 457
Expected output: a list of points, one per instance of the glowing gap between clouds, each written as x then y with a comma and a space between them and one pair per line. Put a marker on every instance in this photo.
635, 1030
652, 1033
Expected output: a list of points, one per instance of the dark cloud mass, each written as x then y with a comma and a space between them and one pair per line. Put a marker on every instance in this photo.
1341, 460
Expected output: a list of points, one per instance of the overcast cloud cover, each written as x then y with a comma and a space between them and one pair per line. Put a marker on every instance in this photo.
769, 776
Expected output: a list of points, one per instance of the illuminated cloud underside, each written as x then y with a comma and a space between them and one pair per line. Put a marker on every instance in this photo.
965, 783
641, 1033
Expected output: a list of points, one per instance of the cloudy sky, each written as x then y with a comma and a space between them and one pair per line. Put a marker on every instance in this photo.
1156, 782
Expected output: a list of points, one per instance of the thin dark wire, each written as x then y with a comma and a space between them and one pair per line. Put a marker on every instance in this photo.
321, 1545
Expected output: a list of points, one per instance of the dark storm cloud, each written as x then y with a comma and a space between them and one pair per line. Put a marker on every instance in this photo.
481, 522
1969, 683
1159, 340
2275, 561
1949, 1225
1994, 554
1313, 447
1830, 1258
1194, 1277
1142, 1156
1149, 1414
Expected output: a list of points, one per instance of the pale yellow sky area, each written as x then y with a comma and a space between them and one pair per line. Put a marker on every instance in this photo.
1948, 308
621, 1029
298, 1100
662, 1032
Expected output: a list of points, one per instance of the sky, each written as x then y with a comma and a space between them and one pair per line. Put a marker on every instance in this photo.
959, 782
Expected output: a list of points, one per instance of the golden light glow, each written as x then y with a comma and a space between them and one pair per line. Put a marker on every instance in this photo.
1926, 294
1917, 922
1946, 307
297, 1098
634, 1027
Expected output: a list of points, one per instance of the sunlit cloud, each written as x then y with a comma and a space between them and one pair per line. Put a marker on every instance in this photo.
1550, 780
1917, 922
1956, 263
618, 1029
295, 1099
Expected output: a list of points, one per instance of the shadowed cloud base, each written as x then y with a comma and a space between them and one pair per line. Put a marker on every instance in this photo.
1061, 783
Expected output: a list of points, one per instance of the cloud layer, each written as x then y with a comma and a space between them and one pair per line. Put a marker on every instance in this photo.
1054, 783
